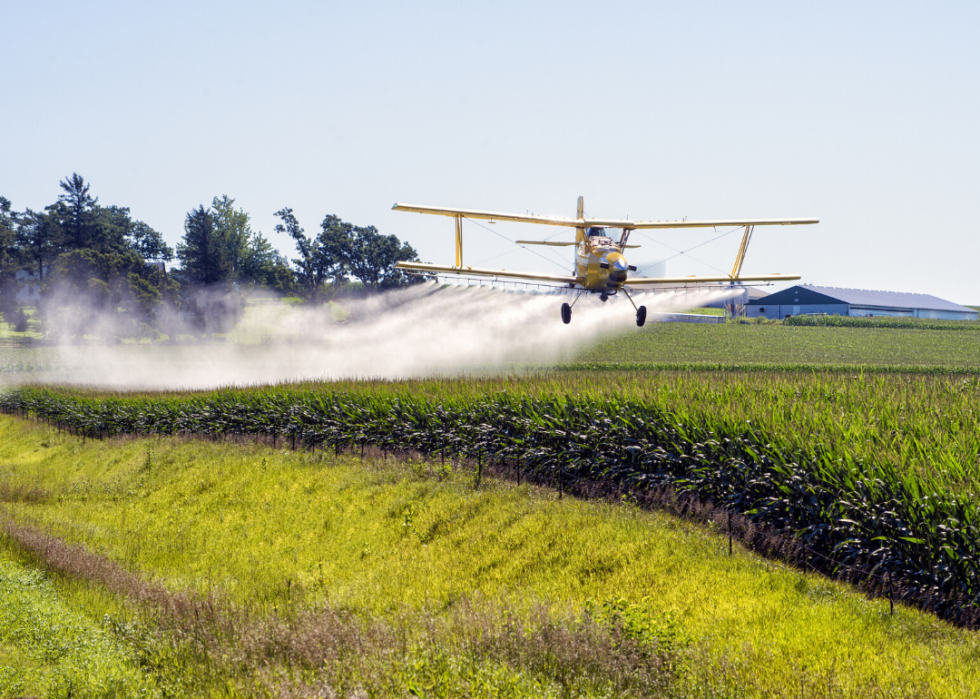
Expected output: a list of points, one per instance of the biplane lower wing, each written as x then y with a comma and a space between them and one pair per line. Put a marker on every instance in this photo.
560, 244
652, 281
427, 268
552, 243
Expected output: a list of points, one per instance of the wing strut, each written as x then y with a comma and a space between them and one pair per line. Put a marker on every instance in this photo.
459, 240
740, 258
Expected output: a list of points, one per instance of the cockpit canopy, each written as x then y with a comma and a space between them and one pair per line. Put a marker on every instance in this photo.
598, 238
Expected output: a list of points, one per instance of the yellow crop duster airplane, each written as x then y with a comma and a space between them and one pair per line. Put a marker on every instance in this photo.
600, 267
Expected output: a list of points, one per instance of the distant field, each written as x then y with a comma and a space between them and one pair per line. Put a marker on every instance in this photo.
733, 343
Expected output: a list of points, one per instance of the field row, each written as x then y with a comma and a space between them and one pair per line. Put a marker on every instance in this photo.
891, 496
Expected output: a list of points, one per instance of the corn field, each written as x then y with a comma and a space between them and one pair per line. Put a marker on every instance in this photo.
871, 474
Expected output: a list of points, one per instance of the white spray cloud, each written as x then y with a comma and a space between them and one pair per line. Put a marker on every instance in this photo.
425, 330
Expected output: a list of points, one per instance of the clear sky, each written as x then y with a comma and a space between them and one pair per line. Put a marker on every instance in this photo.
864, 114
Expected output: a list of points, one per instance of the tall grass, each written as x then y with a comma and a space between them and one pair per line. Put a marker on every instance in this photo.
370, 577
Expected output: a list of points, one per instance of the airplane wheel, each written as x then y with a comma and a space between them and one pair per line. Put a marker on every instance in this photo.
604, 297
641, 316
566, 313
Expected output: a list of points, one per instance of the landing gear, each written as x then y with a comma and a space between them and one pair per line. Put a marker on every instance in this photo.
603, 297
566, 313
641, 312
566, 310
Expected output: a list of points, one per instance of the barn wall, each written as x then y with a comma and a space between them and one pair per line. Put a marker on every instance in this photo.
864, 311
783, 310
945, 315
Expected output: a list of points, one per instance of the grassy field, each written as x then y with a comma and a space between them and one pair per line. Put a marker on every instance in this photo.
772, 344
47, 648
405, 580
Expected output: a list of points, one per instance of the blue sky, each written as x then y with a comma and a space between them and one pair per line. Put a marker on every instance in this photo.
863, 114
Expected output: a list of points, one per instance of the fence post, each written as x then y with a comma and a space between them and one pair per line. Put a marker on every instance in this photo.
729, 532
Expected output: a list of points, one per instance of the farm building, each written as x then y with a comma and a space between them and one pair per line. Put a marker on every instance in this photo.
805, 298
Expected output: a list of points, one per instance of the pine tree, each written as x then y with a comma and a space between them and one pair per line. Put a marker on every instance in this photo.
77, 213
203, 257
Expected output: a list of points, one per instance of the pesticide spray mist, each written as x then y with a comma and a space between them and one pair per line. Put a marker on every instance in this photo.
424, 330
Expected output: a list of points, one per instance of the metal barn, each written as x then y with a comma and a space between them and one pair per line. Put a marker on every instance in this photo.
805, 298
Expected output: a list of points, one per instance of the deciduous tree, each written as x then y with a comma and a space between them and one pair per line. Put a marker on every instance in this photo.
316, 264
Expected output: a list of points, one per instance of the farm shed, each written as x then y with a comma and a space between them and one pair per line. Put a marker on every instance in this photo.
805, 298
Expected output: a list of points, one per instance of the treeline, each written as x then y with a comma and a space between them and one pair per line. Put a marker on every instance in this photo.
89, 269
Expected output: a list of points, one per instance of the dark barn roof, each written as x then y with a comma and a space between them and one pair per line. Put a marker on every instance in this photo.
805, 294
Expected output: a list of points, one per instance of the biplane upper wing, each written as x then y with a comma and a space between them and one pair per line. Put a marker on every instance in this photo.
427, 268
724, 223
600, 222
489, 215
650, 281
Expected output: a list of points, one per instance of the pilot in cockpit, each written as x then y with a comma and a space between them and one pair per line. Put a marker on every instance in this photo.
598, 237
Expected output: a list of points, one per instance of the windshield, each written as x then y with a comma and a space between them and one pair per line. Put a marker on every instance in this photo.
597, 231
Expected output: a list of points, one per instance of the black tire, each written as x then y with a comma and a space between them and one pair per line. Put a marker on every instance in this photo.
566, 313
641, 316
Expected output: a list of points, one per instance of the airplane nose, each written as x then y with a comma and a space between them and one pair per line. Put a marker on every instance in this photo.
617, 268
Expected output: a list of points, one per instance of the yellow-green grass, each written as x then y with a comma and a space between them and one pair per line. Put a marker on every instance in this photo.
49, 649
281, 529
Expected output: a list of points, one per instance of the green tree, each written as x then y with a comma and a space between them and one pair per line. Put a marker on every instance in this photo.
92, 292
150, 290
148, 243
203, 256
233, 229
10, 259
76, 213
316, 265
253, 259
37, 239
369, 256
113, 225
